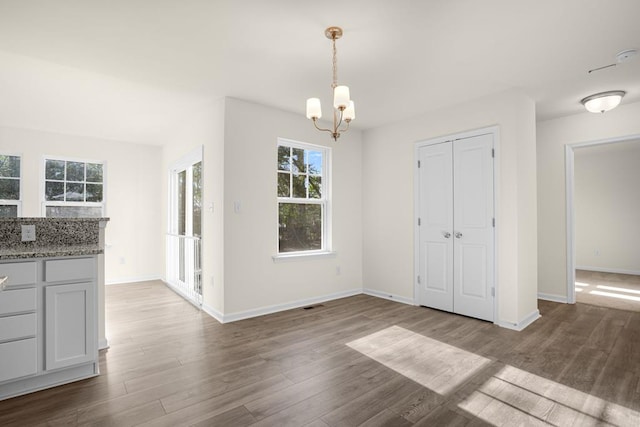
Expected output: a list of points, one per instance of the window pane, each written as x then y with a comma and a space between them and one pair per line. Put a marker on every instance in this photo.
94, 192
284, 180
75, 192
300, 227
94, 172
283, 158
299, 187
314, 160
54, 169
9, 166
8, 211
315, 187
297, 160
75, 171
182, 197
54, 191
74, 211
197, 199
10, 189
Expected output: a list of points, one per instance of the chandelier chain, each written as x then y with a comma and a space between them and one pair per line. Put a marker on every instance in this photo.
335, 64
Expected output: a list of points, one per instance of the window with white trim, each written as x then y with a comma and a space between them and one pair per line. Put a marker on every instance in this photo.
10, 195
303, 198
73, 188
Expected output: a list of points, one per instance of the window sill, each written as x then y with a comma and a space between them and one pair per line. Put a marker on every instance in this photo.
301, 256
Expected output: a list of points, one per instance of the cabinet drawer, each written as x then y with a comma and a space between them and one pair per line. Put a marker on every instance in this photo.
19, 358
19, 273
17, 301
20, 326
59, 270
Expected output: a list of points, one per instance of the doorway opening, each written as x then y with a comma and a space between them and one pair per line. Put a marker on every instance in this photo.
184, 236
603, 234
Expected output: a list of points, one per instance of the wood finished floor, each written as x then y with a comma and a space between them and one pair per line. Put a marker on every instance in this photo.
613, 290
355, 361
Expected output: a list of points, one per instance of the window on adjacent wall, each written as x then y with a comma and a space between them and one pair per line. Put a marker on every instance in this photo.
10, 172
303, 199
73, 188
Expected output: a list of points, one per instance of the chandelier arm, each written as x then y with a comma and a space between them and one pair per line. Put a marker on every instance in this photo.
319, 128
337, 126
346, 128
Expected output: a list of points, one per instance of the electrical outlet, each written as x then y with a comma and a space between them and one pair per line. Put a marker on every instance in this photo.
29, 233
596, 252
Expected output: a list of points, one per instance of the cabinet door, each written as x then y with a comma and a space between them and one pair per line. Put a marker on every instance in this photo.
70, 336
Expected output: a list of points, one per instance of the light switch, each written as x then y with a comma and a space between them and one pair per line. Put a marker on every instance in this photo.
29, 233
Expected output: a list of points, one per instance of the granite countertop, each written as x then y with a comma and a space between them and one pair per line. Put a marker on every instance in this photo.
50, 251
49, 219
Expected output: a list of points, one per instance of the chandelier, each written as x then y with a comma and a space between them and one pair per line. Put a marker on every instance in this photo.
343, 108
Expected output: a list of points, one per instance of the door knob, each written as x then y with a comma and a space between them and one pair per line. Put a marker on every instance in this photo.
458, 234
446, 234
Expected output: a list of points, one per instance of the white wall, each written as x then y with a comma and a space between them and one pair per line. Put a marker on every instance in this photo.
204, 129
132, 174
607, 207
388, 199
552, 136
251, 278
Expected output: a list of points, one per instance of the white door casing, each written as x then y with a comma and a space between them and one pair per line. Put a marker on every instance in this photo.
456, 226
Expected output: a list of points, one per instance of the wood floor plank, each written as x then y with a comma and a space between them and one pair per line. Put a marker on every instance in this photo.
354, 361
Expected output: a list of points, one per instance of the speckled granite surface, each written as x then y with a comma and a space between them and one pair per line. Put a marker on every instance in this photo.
54, 237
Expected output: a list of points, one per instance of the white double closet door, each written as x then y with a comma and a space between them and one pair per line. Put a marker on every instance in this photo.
456, 226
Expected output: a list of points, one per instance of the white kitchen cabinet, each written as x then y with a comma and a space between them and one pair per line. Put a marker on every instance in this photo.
48, 323
18, 321
68, 313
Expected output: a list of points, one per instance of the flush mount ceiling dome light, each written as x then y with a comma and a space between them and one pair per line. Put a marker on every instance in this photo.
343, 108
604, 101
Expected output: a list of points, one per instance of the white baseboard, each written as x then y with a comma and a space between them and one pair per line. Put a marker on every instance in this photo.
103, 344
552, 297
233, 317
213, 313
609, 270
125, 280
390, 297
529, 319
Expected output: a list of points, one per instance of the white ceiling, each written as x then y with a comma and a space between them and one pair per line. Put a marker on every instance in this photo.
135, 69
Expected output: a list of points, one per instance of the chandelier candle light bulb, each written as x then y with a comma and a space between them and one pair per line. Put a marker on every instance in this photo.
344, 109
314, 110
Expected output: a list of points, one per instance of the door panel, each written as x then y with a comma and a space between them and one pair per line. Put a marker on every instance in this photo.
473, 227
436, 220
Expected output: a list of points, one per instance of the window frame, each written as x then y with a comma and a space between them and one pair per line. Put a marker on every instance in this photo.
324, 201
17, 203
43, 179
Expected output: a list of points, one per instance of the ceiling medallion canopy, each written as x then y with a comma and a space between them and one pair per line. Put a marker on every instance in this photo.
343, 107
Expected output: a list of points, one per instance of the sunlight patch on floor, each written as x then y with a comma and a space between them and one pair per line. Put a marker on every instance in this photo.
431, 363
516, 397
579, 289
612, 295
582, 284
489, 390
618, 289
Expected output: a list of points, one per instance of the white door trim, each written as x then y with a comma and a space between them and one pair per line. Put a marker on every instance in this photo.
495, 131
570, 206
